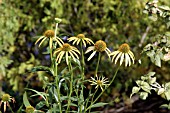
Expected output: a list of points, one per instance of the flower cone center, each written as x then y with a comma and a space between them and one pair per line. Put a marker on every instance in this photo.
29, 109
124, 48
66, 47
81, 36
6, 97
100, 46
49, 33
99, 82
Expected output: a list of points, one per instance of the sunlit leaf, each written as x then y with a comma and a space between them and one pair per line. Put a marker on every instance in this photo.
25, 100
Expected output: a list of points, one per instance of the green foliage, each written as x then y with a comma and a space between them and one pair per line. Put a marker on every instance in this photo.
9, 26
113, 21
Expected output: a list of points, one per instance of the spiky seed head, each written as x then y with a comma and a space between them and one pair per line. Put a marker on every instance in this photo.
66, 47
5, 97
81, 36
100, 46
124, 48
49, 33
29, 109
99, 82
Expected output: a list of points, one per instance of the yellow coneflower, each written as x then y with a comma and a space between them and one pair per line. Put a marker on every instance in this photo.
99, 46
99, 82
30, 109
6, 98
79, 38
123, 53
68, 50
49, 34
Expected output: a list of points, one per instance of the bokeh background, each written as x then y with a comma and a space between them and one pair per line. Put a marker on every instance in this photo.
114, 21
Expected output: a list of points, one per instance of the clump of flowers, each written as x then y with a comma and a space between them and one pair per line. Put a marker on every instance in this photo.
124, 54
49, 34
6, 98
99, 82
99, 46
67, 50
79, 38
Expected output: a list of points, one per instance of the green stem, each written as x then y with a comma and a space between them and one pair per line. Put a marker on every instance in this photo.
104, 89
98, 60
93, 98
11, 109
82, 60
71, 86
82, 75
51, 54
57, 85
56, 27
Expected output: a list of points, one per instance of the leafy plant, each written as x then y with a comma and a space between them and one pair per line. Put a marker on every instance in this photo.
157, 50
65, 93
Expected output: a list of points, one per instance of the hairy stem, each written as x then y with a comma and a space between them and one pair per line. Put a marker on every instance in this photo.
71, 86
98, 60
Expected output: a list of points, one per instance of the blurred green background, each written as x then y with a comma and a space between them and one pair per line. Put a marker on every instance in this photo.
114, 21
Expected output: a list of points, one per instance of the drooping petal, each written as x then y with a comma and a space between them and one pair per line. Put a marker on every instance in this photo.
59, 41
108, 52
71, 39
39, 39
118, 56
89, 40
122, 58
75, 49
89, 49
84, 43
75, 54
131, 56
42, 41
61, 56
75, 41
78, 41
115, 53
127, 60
57, 50
94, 52
72, 56
51, 43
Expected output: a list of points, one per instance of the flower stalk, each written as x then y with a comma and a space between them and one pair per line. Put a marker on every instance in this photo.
71, 87
104, 89
97, 66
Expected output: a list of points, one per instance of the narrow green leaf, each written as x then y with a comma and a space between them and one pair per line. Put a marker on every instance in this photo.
39, 93
100, 104
40, 105
25, 100
41, 68
20, 109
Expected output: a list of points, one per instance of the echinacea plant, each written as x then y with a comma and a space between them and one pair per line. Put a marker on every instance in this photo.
123, 53
71, 82
6, 99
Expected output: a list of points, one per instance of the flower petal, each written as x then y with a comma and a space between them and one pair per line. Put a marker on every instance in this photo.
127, 60
39, 39
42, 41
121, 59
94, 52
117, 57
131, 56
89, 49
